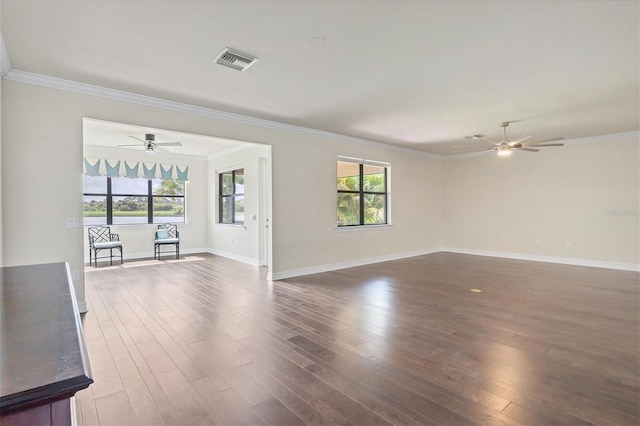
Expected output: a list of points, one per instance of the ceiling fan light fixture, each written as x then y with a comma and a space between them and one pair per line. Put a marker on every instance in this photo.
149, 143
504, 147
504, 152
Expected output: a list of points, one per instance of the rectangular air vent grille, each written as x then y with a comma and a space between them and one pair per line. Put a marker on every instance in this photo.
233, 59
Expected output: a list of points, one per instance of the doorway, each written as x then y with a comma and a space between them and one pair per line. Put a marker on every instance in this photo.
200, 155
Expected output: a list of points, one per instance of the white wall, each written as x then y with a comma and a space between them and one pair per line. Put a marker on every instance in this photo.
528, 204
307, 236
42, 170
576, 204
235, 241
1, 185
4, 65
42, 149
138, 239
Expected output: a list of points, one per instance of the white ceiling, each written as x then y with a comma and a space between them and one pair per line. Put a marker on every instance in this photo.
105, 134
419, 74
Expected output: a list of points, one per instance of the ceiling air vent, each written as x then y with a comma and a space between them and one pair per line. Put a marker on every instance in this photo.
233, 59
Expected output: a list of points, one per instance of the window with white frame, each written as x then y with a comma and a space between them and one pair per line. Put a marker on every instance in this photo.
362, 192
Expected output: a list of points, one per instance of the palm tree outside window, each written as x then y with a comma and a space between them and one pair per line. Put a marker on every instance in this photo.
362, 195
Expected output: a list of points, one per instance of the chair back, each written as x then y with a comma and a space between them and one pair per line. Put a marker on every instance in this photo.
99, 234
171, 229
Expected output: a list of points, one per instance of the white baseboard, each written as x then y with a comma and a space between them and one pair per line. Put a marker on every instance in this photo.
550, 259
149, 255
520, 256
349, 264
73, 410
229, 255
370, 260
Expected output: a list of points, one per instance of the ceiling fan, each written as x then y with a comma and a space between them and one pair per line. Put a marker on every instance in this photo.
506, 146
150, 144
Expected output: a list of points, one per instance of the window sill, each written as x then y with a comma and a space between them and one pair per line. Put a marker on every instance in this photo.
361, 227
232, 226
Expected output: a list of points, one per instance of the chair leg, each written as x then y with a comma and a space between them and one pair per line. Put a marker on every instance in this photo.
178, 251
121, 258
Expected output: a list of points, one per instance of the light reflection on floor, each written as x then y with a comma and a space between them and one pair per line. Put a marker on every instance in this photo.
138, 263
376, 309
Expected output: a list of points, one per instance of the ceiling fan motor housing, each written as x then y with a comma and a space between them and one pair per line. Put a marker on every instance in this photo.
150, 144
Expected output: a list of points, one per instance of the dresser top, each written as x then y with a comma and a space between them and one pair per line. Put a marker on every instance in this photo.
42, 350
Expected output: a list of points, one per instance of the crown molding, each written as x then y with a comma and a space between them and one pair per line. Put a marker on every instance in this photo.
590, 139
120, 95
123, 96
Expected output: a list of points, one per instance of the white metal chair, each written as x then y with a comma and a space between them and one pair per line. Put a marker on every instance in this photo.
167, 234
101, 238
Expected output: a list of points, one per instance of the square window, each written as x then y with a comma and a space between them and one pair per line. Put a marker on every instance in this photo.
94, 210
130, 209
362, 194
168, 209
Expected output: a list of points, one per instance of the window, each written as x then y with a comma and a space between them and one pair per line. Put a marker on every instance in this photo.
231, 199
120, 200
362, 193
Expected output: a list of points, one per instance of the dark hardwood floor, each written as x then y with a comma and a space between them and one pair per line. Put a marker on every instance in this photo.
208, 340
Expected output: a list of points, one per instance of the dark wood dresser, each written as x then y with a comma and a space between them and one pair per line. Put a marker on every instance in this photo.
43, 358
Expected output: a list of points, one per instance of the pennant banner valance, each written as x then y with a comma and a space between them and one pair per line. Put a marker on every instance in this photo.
132, 169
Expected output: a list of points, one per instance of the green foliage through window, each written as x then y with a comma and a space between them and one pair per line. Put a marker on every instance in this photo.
126, 201
231, 197
361, 194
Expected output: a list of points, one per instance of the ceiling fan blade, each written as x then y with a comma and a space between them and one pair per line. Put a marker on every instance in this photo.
490, 141
547, 144
137, 144
137, 138
549, 140
517, 141
476, 136
544, 141
168, 144
483, 152
472, 152
527, 149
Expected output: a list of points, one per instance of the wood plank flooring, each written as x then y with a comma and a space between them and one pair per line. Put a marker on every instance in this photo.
206, 340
